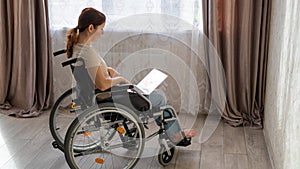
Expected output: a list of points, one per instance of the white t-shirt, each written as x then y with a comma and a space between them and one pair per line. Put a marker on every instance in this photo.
91, 59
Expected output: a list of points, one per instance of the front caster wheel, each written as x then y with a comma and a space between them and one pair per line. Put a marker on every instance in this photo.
165, 157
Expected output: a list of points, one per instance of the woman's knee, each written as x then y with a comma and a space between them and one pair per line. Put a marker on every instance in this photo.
157, 99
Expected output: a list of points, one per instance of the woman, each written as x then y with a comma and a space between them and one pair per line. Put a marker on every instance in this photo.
90, 27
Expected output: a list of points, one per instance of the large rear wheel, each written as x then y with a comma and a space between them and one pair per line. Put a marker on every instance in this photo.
61, 116
105, 136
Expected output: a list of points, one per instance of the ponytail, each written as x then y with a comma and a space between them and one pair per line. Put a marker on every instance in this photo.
72, 38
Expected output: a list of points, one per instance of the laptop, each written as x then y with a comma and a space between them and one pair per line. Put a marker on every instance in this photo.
151, 81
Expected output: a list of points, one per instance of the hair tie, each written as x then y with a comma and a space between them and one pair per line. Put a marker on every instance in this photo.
76, 29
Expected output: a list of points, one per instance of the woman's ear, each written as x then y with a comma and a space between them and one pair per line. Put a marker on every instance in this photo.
91, 28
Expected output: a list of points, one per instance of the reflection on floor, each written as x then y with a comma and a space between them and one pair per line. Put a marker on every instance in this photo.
26, 143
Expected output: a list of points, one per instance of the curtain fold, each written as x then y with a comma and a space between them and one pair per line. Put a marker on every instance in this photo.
239, 32
26, 66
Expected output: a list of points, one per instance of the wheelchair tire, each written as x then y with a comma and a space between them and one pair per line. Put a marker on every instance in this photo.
61, 117
164, 158
97, 146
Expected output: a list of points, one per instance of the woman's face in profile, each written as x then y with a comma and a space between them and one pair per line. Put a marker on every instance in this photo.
99, 31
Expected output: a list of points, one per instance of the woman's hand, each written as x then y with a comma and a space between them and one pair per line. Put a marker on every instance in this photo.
112, 72
126, 81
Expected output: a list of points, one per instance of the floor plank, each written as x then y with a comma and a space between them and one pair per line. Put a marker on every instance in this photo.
217, 138
234, 140
188, 159
33, 131
60, 162
236, 161
212, 157
256, 149
38, 124
30, 150
9, 151
148, 163
47, 156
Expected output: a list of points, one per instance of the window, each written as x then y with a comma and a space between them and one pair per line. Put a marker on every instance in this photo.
64, 13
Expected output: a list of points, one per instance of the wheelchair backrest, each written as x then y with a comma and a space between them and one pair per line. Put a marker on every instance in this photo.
85, 88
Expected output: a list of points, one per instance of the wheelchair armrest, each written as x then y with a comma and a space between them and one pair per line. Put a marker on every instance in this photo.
118, 89
121, 87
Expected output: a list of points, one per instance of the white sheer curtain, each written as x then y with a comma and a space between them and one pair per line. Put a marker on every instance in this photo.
64, 13
140, 35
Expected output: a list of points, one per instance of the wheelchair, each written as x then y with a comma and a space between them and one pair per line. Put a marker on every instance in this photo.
108, 127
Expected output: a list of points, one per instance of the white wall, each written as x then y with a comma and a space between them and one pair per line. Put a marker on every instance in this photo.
282, 110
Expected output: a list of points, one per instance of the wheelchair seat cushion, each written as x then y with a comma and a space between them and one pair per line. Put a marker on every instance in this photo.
131, 100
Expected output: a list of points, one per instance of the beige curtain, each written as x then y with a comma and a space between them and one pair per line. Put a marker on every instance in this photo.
239, 31
25, 61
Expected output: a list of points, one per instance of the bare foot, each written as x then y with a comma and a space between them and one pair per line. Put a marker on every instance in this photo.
188, 133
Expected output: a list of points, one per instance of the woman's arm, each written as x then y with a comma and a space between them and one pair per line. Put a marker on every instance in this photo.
112, 72
104, 81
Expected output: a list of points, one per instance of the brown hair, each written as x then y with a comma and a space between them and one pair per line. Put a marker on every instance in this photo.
87, 17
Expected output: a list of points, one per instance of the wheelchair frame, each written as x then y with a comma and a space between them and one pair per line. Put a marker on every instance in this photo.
139, 120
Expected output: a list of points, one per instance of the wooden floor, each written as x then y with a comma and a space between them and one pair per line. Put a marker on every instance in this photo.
26, 144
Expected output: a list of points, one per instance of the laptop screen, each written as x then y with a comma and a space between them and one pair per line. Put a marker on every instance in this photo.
151, 81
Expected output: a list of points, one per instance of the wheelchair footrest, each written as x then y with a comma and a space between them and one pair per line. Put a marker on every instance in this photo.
184, 142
